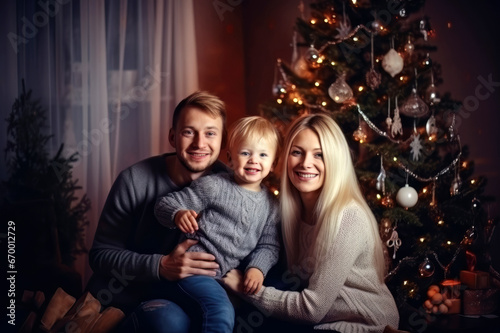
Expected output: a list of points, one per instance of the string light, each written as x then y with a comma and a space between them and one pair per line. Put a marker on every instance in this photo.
362, 138
401, 165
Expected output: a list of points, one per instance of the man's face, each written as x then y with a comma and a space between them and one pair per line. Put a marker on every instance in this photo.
197, 139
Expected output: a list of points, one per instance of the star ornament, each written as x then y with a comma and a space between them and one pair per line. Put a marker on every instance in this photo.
416, 147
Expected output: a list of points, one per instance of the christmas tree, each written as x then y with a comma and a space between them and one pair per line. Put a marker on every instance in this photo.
368, 64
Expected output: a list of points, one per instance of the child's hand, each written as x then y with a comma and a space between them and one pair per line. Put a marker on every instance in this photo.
185, 220
253, 281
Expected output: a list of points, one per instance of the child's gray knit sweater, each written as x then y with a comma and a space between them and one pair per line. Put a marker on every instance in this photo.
234, 223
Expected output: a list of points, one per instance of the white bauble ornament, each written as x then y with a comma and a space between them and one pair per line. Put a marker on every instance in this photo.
407, 196
392, 63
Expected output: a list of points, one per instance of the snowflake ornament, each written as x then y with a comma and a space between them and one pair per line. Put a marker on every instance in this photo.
416, 147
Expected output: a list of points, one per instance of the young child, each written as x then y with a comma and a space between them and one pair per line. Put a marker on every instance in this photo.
233, 216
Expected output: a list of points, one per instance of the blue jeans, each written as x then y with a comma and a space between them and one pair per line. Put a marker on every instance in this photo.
155, 316
196, 303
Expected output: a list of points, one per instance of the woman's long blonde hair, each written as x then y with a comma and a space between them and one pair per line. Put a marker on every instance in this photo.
340, 188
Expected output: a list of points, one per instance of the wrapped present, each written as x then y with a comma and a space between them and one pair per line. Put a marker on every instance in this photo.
475, 279
480, 301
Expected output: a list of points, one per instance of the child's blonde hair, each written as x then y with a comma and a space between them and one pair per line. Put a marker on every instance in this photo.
254, 128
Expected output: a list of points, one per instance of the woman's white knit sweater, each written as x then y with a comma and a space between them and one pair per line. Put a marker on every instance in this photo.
344, 293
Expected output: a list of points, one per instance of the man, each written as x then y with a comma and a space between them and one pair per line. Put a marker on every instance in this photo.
132, 253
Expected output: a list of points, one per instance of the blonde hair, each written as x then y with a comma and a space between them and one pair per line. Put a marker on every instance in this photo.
340, 188
254, 128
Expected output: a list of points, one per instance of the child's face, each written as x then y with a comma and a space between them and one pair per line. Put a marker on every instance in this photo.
251, 162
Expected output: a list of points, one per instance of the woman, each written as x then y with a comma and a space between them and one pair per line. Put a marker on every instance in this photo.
331, 238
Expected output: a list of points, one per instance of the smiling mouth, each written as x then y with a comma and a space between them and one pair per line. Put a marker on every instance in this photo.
306, 175
251, 170
198, 157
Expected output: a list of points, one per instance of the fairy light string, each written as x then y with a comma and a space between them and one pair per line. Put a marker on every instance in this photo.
383, 133
443, 171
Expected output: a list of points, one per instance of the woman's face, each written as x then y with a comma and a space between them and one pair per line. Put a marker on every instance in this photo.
305, 166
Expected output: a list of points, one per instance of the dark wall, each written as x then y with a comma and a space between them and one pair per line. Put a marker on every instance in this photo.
219, 34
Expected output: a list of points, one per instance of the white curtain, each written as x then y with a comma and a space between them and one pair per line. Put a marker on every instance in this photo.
110, 73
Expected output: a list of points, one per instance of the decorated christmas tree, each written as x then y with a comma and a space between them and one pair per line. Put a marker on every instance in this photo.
368, 64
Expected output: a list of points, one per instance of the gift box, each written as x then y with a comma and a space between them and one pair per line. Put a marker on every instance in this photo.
480, 301
475, 279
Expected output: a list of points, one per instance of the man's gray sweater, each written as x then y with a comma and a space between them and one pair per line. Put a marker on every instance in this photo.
235, 224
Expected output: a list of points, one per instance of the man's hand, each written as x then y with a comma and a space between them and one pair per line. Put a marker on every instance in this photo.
185, 220
234, 280
180, 264
253, 281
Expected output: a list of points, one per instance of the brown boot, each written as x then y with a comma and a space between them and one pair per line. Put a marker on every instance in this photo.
108, 320
58, 306
83, 313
